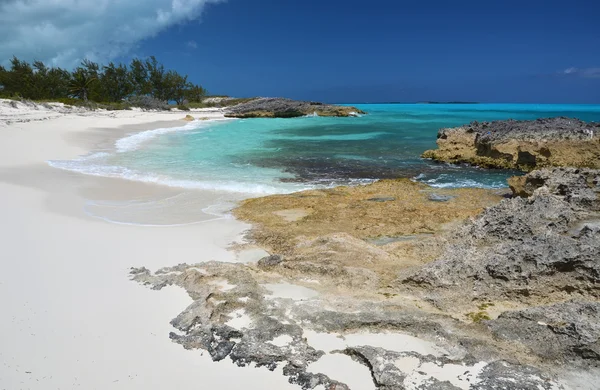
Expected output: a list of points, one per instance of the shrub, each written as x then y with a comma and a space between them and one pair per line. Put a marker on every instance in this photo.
198, 105
115, 106
147, 103
183, 107
70, 101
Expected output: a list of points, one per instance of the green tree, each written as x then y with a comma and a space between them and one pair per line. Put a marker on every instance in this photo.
156, 78
138, 75
195, 93
3, 77
81, 84
116, 83
19, 80
175, 86
39, 89
58, 81
91, 81
93, 72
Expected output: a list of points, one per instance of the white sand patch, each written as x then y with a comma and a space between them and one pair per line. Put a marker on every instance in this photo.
313, 281
222, 285
418, 373
290, 291
252, 255
239, 320
199, 270
391, 341
395, 342
282, 341
324, 341
344, 369
459, 375
71, 317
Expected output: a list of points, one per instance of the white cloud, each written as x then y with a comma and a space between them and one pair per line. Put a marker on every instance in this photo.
63, 32
192, 45
588, 73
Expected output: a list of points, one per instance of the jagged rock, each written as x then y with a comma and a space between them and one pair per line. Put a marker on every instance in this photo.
188, 118
524, 250
521, 257
408, 370
270, 261
287, 108
564, 332
234, 317
579, 186
525, 145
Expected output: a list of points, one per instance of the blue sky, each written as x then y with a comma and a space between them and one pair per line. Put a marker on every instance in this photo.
361, 51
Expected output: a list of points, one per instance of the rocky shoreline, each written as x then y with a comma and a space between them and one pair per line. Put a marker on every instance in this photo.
287, 108
486, 289
524, 145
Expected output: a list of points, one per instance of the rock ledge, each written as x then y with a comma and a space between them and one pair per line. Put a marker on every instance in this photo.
525, 145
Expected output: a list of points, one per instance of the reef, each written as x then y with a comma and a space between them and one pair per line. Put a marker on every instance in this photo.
287, 108
484, 290
524, 145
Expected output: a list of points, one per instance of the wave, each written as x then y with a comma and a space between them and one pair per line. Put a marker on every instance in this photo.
444, 181
134, 141
82, 165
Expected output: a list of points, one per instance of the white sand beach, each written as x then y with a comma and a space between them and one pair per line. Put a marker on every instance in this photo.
71, 318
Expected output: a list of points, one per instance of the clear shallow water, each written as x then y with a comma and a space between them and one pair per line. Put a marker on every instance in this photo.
265, 156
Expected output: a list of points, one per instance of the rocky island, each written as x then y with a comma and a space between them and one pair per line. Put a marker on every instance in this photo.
524, 145
287, 108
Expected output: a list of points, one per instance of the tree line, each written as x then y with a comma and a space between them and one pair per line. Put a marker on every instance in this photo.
98, 83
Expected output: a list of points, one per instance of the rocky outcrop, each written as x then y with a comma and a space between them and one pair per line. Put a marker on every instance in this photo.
541, 249
524, 145
287, 108
235, 315
578, 186
564, 332
504, 299
405, 370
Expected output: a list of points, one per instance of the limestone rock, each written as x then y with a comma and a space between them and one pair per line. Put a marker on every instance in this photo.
287, 108
546, 247
525, 145
562, 332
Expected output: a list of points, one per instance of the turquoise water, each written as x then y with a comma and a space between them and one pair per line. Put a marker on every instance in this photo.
262, 156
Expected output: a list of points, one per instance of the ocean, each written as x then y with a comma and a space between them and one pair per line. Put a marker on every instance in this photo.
252, 157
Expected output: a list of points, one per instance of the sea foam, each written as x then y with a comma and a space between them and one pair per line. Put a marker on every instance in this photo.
89, 167
134, 141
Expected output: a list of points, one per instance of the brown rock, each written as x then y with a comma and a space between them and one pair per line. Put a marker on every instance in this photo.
524, 145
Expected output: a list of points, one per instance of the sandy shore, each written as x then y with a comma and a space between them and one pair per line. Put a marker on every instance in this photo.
71, 318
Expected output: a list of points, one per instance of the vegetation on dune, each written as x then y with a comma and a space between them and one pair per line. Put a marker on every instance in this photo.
142, 83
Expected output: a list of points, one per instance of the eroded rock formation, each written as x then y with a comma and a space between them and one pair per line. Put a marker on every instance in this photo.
507, 299
525, 145
541, 249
